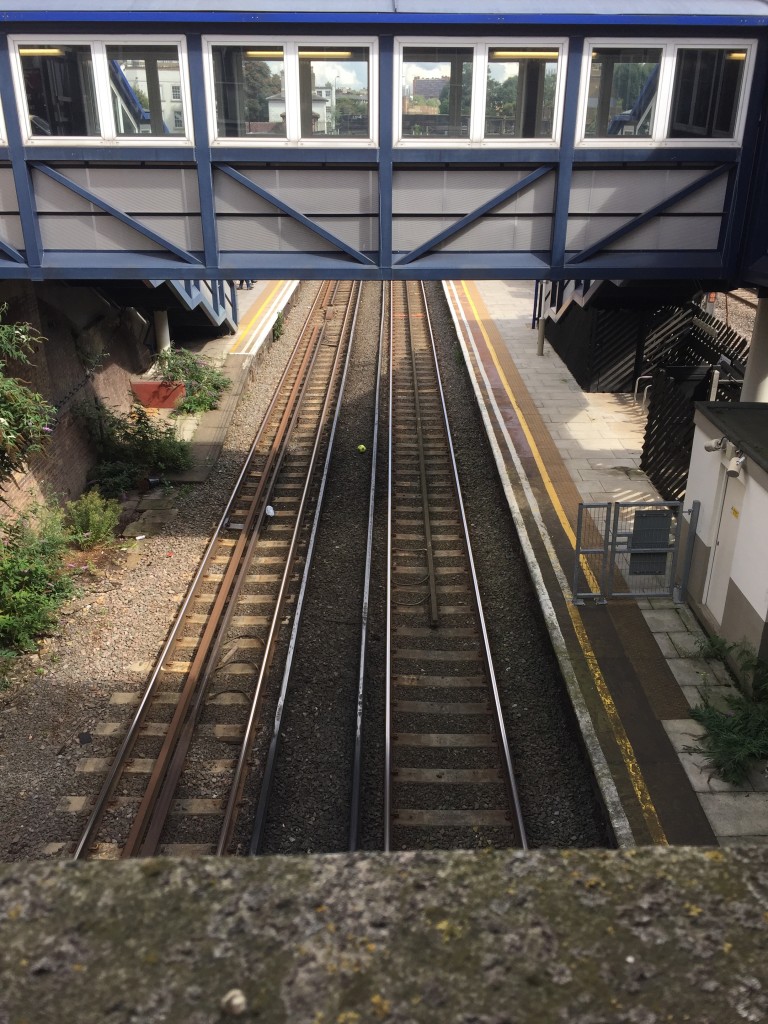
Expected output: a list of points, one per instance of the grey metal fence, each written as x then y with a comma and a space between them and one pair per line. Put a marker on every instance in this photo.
629, 549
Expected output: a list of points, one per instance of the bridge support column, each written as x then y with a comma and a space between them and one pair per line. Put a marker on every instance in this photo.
162, 332
755, 388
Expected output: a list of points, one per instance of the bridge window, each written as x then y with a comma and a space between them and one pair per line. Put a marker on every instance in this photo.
293, 92
333, 91
664, 93
139, 76
520, 93
437, 92
249, 91
100, 89
60, 89
705, 98
623, 85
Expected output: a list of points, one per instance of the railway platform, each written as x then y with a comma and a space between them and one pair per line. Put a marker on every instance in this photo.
632, 665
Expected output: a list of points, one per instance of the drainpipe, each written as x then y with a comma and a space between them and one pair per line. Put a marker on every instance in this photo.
162, 333
755, 387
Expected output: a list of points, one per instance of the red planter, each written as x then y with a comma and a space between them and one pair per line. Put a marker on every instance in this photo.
154, 394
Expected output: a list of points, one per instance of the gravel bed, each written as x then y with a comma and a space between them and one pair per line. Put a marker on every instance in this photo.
48, 717
109, 637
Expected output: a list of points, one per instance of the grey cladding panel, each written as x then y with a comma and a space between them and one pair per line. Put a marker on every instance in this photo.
231, 197
141, 189
489, 234
688, 233
8, 200
508, 234
100, 232
359, 232
185, 232
320, 190
634, 190
10, 230
151, 190
268, 234
451, 192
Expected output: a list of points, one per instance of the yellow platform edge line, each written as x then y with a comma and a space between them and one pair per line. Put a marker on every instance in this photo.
245, 332
623, 742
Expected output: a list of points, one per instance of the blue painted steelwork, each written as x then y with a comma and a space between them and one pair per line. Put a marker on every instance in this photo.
25, 194
202, 153
470, 218
567, 150
643, 218
386, 135
113, 211
291, 212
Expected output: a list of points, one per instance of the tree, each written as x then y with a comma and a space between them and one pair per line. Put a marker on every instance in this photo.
25, 416
260, 83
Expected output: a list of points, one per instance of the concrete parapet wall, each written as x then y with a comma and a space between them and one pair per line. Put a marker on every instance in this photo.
583, 937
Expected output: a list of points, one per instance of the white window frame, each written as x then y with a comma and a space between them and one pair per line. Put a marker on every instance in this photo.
481, 50
659, 137
290, 47
108, 130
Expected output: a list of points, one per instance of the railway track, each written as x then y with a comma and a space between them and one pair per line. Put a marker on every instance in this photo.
448, 778
177, 786
174, 785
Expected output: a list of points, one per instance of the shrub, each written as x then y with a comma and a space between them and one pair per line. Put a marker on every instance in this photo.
132, 447
33, 578
25, 416
203, 382
734, 739
92, 519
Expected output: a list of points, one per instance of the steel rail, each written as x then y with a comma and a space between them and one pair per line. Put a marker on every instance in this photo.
509, 774
240, 773
116, 769
357, 759
265, 793
388, 653
434, 615
158, 795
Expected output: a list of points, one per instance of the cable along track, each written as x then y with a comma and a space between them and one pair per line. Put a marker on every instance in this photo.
449, 780
207, 687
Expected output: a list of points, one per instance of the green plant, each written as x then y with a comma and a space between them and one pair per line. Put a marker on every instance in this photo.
25, 416
278, 326
131, 447
713, 648
204, 384
733, 739
34, 579
92, 519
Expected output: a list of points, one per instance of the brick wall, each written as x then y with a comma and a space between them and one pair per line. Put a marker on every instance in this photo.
91, 351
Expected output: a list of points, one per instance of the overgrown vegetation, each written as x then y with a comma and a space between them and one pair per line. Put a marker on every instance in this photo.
736, 736
204, 384
34, 579
278, 326
131, 448
25, 416
92, 520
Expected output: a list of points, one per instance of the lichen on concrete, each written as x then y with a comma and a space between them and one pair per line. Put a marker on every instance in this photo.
583, 937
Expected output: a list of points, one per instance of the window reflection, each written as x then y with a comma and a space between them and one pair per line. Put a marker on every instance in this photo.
622, 92
706, 93
437, 91
249, 90
334, 91
60, 91
142, 81
520, 93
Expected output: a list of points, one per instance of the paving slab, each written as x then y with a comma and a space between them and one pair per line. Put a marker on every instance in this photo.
737, 814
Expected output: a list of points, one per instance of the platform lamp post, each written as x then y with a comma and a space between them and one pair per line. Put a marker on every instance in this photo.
755, 386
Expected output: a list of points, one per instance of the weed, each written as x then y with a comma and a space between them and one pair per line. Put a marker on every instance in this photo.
131, 447
92, 519
713, 648
34, 580
278, 326
734, 739
204, 384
